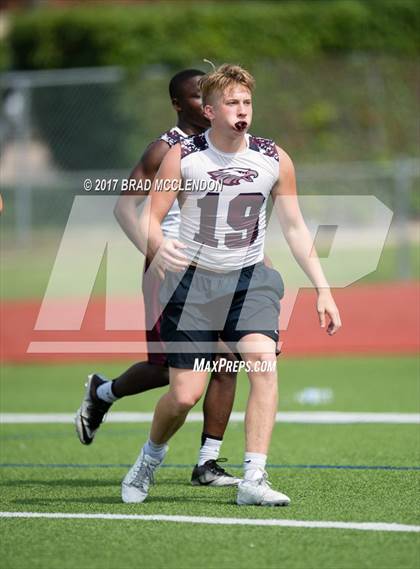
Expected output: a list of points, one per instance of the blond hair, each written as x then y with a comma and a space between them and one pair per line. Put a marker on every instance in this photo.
225, 76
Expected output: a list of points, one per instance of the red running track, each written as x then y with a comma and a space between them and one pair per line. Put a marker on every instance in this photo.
377, 319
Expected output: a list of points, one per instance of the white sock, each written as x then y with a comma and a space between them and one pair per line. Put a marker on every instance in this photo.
254, 464
209, 451
156, 451
105, 392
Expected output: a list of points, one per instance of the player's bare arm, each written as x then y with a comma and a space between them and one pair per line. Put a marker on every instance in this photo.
300, 241
166, 253
125, 210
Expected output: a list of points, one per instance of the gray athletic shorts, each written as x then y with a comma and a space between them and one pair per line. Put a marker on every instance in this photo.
201, 307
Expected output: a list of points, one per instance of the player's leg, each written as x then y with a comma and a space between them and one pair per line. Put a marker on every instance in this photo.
185, 389
252, 326
140, 377
219, 398
153, 373
184, 343
194, 331
217, 407
259, 421
101, 393
263, 394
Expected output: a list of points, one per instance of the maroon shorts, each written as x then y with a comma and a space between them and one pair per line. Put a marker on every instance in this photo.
153, 309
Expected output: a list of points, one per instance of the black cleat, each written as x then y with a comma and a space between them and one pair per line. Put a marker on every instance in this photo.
92, 411
212, 474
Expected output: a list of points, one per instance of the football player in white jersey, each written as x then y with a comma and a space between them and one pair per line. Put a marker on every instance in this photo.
143, 376
216, 265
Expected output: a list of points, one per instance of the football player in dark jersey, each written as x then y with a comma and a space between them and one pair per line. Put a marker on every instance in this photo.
143, 376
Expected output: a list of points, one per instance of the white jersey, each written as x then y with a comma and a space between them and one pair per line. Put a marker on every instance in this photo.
224, 196
170, 224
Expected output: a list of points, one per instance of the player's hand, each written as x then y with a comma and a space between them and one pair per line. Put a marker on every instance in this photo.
327, 308
170, 257
267, 262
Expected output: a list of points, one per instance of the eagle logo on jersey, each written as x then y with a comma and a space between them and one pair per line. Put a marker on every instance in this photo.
233, 176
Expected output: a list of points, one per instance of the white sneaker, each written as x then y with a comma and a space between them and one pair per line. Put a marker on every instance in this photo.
257, 492
136, 483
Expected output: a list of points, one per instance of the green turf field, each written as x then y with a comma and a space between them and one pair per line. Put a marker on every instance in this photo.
46, 469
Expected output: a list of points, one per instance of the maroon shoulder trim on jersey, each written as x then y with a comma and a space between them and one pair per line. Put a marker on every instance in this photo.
171, 137
192, 144
264, 145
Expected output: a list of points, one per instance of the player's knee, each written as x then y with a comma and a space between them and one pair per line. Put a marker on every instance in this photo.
224, 377
264, 361
185, 401
263, 366
226, 370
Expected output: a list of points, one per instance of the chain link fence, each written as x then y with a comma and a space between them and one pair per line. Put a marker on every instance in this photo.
350, 123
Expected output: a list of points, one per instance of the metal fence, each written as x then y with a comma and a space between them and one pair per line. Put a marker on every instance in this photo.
59, 127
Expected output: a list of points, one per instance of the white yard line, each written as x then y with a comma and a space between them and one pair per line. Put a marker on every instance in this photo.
362, 526
311, 417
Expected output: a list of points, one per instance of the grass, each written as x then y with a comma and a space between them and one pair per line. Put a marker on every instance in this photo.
26, 269
159, 544
45, 469
357, 384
